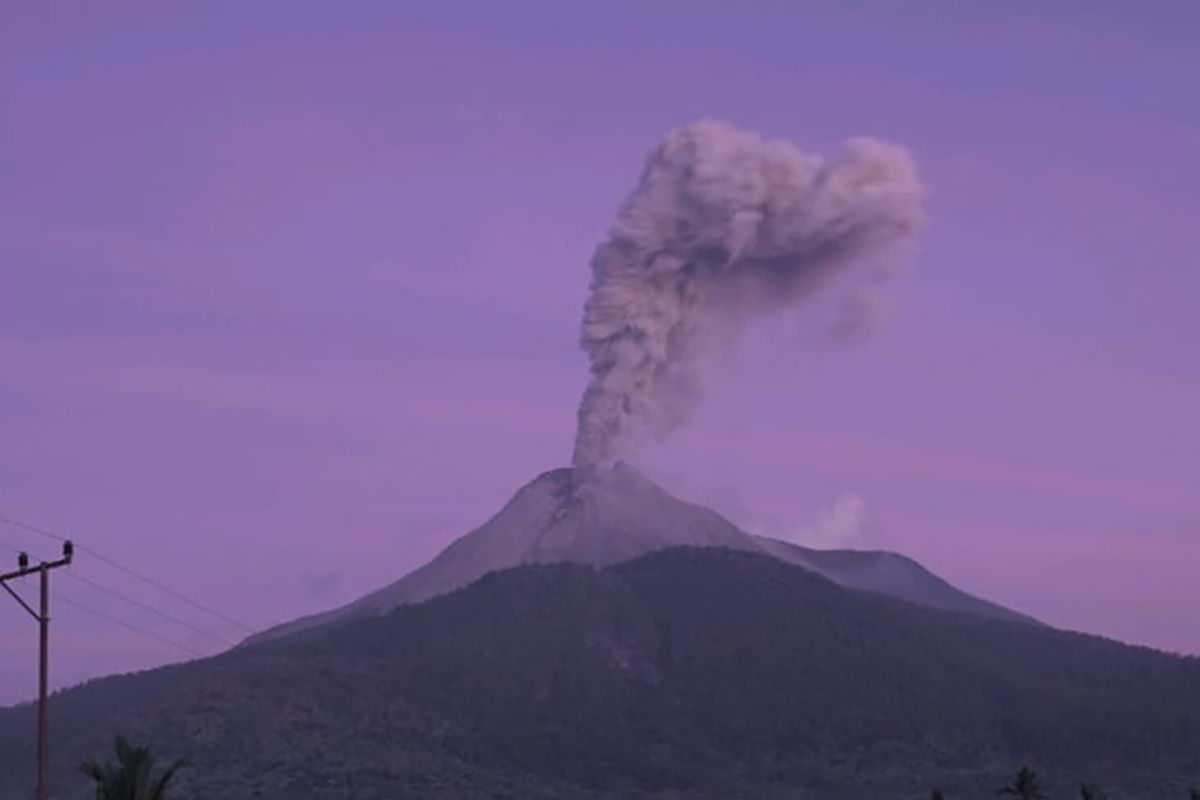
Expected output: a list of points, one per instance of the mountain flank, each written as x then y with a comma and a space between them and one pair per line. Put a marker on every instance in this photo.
688, 672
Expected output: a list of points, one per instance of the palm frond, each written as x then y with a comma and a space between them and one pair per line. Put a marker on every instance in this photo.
160, 787
132, 776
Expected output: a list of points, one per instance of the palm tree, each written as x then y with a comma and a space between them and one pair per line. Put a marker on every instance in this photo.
1090, 791
132, 776
1027, 786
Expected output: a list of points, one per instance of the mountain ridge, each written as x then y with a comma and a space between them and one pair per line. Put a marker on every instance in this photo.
618, 514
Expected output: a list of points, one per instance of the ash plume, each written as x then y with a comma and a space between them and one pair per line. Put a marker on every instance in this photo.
722, 227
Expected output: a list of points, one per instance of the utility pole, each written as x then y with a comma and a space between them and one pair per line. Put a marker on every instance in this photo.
42, 615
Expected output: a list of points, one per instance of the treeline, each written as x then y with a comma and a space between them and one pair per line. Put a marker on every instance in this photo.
1027, 785
134, 776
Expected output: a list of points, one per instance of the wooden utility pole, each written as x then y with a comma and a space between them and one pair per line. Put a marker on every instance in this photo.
42, 615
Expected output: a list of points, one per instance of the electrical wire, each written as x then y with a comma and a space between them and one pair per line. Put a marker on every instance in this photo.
131, 572
125, 624
149, 609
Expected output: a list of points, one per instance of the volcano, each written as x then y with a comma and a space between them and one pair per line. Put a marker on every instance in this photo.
608, 516
678, 656
691, 672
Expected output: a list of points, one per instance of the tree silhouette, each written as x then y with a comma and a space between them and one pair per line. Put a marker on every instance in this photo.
132, 776
1194, 794
1026, 786
937, 795
1090, 791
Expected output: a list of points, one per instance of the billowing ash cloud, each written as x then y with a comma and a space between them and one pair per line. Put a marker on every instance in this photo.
722, 227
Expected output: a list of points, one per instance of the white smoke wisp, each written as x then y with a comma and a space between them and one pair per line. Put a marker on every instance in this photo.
841, 525
723, 227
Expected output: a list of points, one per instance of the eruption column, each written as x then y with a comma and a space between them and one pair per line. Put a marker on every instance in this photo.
722, 227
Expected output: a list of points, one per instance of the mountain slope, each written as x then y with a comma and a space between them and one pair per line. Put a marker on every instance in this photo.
889, 574
698, 673
553, 519
618, 515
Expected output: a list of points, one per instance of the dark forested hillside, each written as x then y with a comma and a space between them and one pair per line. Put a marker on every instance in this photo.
687, 673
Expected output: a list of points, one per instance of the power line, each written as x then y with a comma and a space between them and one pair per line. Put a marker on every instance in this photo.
136, 603
149, 609
31, 528
128, 625
129, 571
96, 612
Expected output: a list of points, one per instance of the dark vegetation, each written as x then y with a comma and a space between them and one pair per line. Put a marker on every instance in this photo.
132, 776
1026, 786
684, 674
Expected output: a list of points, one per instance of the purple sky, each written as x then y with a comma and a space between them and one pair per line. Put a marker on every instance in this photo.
289, 295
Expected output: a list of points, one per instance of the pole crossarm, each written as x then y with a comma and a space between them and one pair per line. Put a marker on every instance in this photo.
30, 570
35, 569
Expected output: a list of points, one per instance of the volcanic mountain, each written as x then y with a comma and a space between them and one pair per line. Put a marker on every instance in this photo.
600, 639
618, 514
698, 673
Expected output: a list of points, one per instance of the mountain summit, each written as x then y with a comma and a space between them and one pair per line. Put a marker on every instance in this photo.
604, 517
